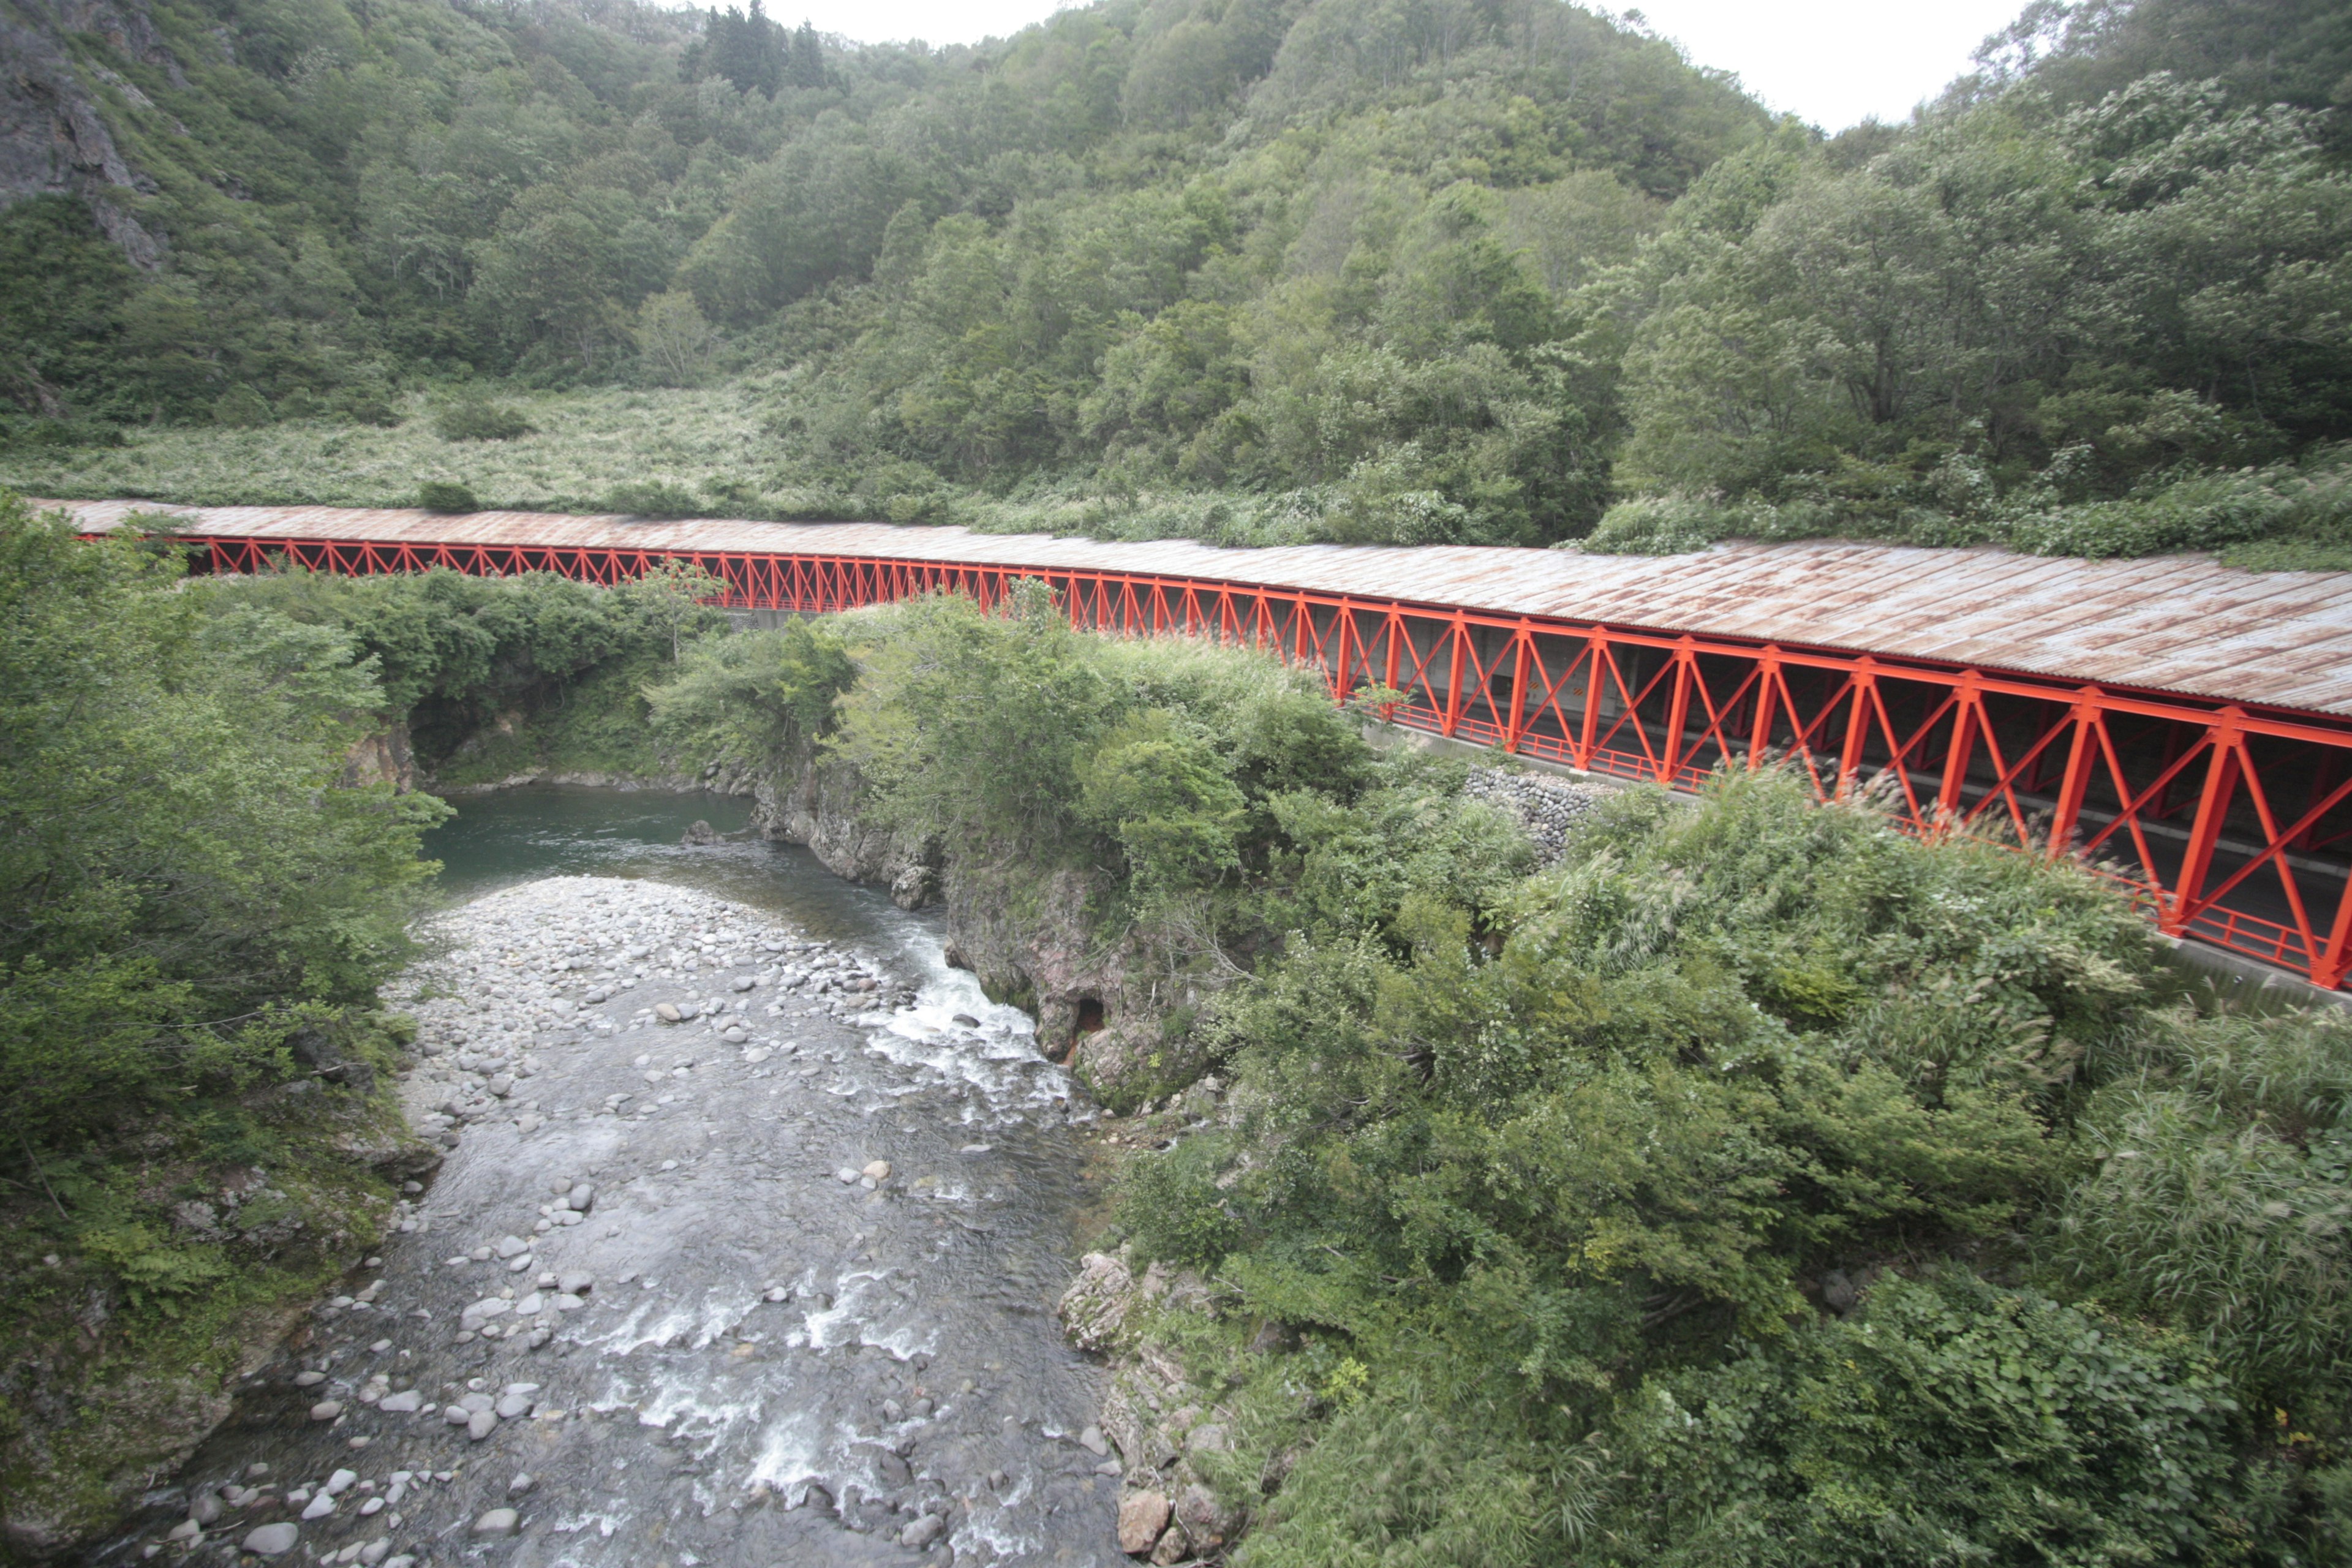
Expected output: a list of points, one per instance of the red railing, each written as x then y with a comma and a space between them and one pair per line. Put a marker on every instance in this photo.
2228, 822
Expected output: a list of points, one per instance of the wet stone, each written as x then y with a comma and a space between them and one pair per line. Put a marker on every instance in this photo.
272, 1540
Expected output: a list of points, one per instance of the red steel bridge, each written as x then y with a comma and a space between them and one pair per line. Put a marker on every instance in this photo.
2183, 727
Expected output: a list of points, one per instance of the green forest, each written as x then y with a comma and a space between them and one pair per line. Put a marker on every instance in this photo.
1254, 271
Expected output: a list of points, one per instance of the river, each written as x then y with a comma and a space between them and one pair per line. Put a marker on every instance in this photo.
770, 1283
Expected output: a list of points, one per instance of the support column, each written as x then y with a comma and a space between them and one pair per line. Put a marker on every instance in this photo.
2212, 810
1518, 720
2077, 780
1767, 678
2328, 972
1677, 712
1595, 649
1857, 725
1454, 677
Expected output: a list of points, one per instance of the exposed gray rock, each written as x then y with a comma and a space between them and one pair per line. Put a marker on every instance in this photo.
273, 1540
1095, 1306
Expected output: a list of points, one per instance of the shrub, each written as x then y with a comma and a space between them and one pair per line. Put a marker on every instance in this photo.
63, 433
436, 495
2222, 1197
477, 419
1947, 1421
652, 497
746, 699
361, 405
241, 409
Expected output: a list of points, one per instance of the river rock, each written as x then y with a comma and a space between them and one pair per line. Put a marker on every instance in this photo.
514, 1406
326, 1410
513, 1247
273, 1540
1142, 1515
319, 1506
669, 1013
482, 1423
923, 1532
1207, 1522
498, 1521
341, 1482
877, 1170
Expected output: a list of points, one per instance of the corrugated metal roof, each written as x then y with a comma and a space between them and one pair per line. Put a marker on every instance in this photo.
2180, 623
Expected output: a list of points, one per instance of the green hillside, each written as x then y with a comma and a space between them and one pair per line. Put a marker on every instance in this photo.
1494, 271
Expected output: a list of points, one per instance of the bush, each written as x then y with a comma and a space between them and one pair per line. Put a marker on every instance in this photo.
748, 698
2221, 1201
654, 499
434, 495
63, 433
363, 406
477, 419
242, 408
1947, 1421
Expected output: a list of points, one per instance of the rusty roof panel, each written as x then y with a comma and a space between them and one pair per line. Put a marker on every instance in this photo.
2169, 623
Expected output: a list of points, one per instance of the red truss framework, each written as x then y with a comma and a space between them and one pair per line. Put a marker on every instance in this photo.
2229, 823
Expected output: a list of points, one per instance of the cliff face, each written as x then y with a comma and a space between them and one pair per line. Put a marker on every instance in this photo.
1033, 936
54, 139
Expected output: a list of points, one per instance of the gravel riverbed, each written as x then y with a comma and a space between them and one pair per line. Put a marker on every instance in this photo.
743, 1253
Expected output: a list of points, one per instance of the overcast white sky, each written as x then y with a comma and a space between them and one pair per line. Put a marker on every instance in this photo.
1831, 61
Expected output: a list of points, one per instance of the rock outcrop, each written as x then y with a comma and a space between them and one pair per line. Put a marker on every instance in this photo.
1030, 936
1159, 1423
54, 136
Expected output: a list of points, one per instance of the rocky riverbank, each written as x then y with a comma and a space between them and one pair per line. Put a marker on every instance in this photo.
744, 1252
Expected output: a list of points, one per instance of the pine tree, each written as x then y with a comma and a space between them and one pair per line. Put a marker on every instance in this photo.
750, 51
805, 68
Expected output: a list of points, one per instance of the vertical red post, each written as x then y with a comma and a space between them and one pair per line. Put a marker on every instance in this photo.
1768, 678
1595, 648
1677, 713
1342, 676
1857, 725
2328, 972
1455, 639
2077, 780
2212, 810
1518, 689
1395, 630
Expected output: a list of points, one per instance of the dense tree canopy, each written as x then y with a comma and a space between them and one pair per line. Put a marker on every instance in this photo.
1481, 271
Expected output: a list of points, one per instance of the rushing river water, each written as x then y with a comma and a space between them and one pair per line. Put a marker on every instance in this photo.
747, 1347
